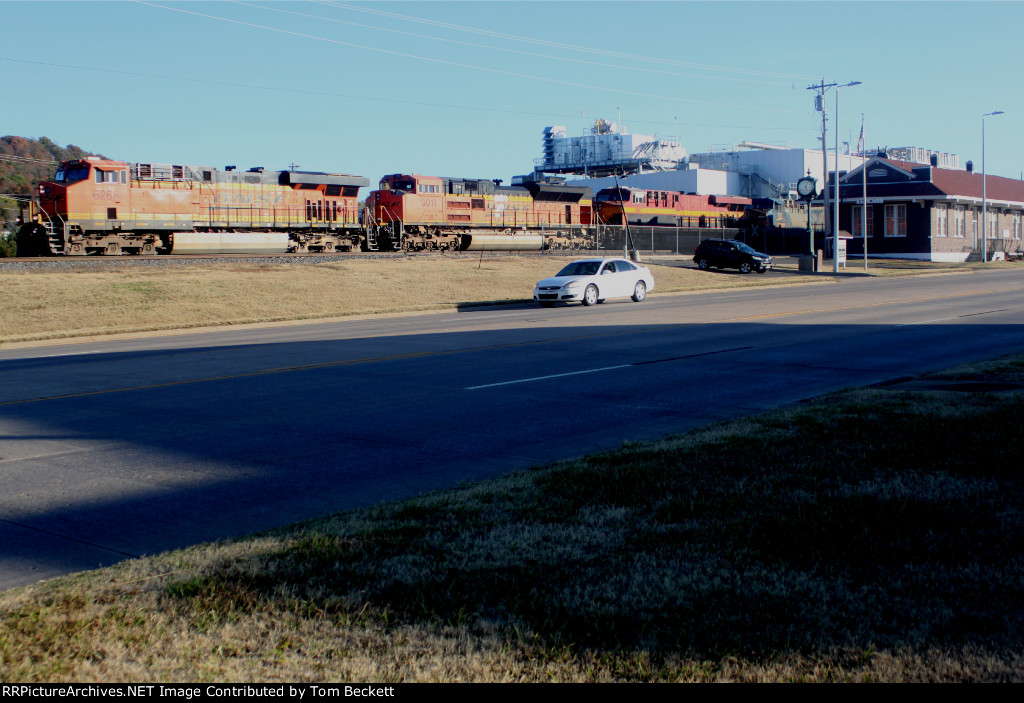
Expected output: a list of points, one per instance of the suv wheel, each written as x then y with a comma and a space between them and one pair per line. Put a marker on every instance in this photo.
703, 264
745, 267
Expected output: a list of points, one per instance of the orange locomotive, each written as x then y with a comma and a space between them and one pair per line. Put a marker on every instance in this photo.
99, 206
668, 208
417, 212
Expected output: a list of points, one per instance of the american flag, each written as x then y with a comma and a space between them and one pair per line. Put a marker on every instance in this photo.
860, 142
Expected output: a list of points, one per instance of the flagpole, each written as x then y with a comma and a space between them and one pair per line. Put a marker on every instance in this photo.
864, 212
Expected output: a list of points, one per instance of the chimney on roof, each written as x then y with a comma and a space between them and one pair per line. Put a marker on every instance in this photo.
934, 160
970, 167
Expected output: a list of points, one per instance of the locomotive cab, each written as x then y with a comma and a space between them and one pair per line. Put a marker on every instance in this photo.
87, 199
86, 193
407, 198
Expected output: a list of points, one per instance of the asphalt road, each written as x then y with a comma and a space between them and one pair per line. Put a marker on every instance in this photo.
115, 449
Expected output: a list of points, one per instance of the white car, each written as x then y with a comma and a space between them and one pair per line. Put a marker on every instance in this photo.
592, 281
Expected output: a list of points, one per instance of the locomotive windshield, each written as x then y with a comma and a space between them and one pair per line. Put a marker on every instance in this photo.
612, 195
407, 184
71, 175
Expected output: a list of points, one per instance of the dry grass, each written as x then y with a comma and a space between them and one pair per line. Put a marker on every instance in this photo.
875, 535
48, 304
99, 300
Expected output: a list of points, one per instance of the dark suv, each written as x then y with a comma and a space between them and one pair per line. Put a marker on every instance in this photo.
732, 254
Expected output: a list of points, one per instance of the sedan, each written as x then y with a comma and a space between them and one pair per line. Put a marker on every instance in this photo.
591, 281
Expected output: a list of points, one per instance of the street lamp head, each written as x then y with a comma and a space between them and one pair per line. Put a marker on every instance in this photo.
989, 114
849, 84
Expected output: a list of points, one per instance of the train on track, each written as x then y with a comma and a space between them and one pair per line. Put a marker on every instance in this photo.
637, 206
102, 206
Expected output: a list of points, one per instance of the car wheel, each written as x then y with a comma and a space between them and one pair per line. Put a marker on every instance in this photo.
703, 264
745, 267
547, 303
640, 292
590, 295
762, 270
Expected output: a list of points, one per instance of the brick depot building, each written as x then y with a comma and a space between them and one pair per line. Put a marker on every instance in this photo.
927, 212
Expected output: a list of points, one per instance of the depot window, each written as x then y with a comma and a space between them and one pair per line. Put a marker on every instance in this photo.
858, 214
896, 220
959, 223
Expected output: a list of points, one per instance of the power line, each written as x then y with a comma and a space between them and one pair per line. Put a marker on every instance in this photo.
561, 45
491, 47
512, 74
347, 96
27, 159
300, 91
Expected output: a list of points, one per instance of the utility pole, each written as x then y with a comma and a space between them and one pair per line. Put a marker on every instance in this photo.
819, 105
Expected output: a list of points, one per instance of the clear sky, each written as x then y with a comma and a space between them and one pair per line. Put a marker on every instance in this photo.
466, 88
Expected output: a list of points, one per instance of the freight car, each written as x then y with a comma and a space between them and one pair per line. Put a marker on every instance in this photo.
635, 206
416, 212
100, 206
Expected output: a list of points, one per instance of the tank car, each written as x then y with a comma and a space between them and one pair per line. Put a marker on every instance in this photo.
101, 206
416, 212
636, 206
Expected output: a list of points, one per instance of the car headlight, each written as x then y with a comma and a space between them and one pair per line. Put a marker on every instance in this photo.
573, 284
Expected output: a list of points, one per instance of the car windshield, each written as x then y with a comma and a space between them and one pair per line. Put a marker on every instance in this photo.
580, 268
745, 249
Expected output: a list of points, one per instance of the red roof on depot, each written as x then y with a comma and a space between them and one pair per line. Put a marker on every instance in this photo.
959, 182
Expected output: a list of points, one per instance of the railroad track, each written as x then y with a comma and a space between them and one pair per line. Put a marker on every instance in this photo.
67, 262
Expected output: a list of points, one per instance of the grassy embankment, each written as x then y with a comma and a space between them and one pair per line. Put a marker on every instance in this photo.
101, 298
873, 535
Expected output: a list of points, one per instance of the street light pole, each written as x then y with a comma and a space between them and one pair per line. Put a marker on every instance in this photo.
819, 104
984, 198
835, 229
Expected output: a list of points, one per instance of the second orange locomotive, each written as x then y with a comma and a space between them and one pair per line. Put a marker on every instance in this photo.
461, 214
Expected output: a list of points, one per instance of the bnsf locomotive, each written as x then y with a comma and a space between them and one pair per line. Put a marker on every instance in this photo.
461, 214
626, 205
101, 206
98, 206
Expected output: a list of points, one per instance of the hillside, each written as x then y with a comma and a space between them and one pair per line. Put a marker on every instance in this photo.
25, 162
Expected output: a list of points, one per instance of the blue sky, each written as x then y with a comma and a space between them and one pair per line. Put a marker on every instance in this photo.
466, 88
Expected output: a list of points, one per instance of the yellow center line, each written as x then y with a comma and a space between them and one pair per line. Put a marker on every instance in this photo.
489, 347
